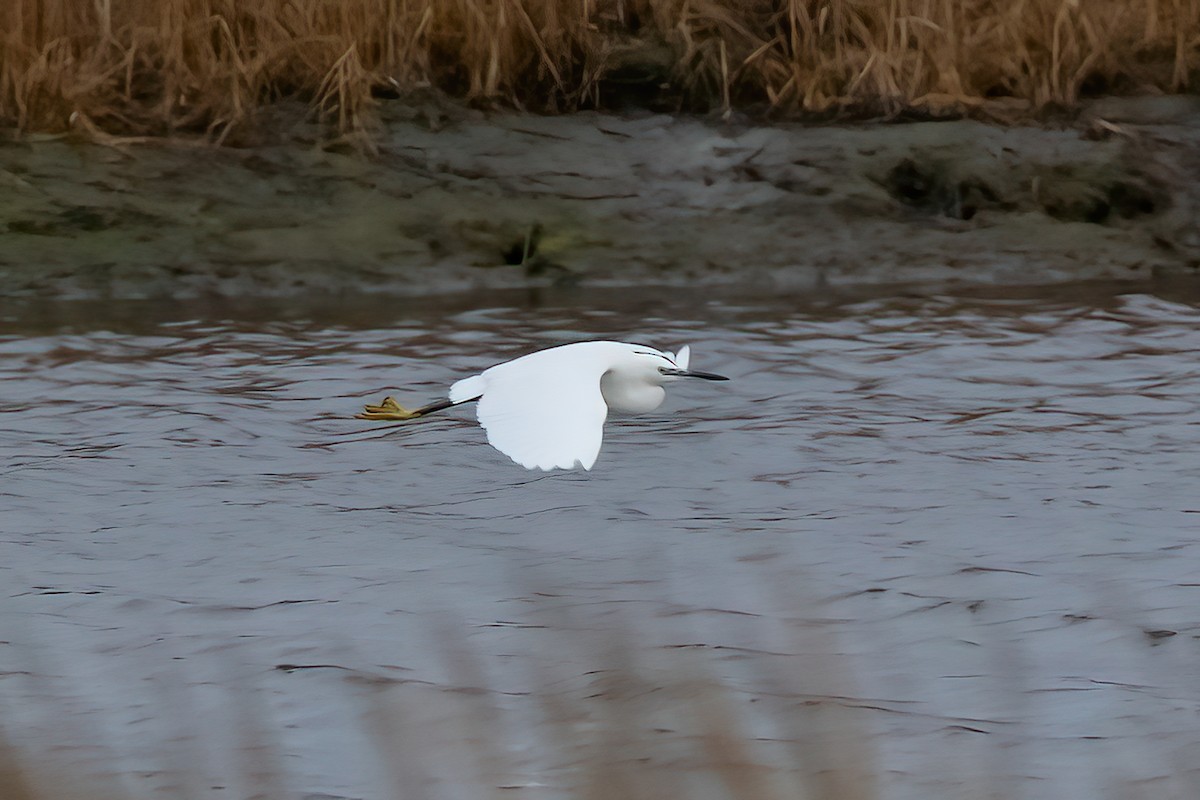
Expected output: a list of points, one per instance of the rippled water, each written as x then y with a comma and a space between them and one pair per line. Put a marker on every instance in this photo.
969, 523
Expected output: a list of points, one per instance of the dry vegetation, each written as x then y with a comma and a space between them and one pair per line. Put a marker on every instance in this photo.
161, 66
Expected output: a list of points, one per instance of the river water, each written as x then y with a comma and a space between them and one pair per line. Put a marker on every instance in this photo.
919, 546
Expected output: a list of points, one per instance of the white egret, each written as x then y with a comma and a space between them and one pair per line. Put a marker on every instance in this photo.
546, 410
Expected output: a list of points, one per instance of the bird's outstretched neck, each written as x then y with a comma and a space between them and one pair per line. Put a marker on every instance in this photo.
389, 409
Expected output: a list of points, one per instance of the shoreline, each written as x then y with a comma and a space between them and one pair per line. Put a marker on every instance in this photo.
458, 200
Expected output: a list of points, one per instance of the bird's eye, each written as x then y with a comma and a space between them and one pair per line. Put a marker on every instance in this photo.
662, 370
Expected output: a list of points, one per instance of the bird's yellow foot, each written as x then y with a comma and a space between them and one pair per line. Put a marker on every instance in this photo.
388, 409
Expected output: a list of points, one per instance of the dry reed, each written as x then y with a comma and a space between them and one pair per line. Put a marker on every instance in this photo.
163, 66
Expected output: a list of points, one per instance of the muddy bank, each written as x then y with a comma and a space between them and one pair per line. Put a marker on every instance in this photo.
457, 200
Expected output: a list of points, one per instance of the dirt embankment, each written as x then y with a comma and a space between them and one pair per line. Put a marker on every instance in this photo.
458, 199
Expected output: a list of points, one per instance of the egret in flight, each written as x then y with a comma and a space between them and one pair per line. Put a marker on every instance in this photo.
546, 410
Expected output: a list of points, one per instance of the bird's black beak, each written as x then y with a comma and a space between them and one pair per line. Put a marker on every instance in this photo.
687, 373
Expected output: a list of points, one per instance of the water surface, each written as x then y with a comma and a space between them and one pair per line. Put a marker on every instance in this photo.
966, 524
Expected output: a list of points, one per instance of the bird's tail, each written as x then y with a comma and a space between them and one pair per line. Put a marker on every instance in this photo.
467, 389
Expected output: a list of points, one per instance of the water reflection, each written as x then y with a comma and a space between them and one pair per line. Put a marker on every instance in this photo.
987, 505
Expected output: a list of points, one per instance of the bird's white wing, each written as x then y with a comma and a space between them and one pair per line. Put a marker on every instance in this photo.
545, 410
683, 357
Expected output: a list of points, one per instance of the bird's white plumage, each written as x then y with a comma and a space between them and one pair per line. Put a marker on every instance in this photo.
467, 389
560, 429
546, 410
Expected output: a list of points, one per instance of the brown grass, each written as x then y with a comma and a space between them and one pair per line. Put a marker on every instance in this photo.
162, 66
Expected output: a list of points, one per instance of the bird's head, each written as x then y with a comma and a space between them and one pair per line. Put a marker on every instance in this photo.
666, 366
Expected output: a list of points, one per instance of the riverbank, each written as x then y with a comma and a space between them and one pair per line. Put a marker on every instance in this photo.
457, 199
